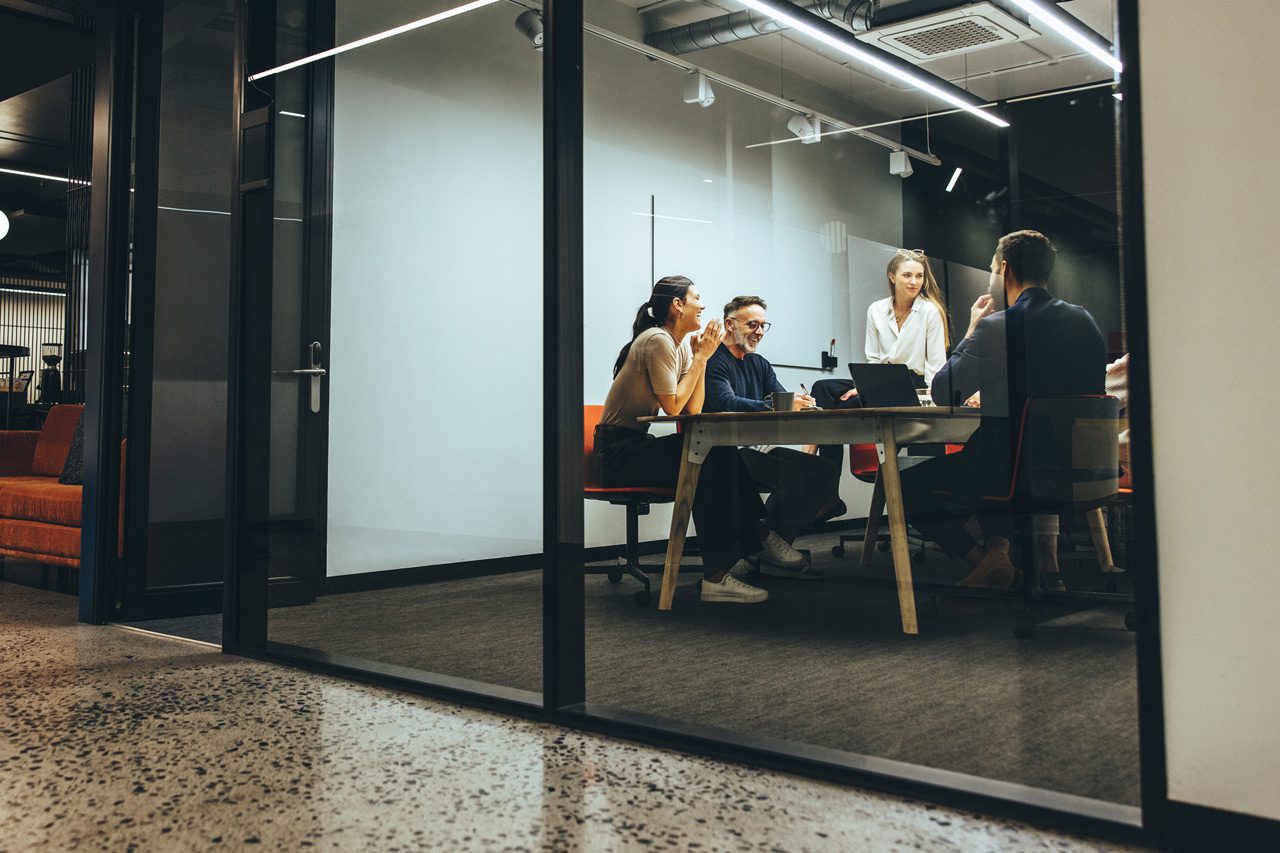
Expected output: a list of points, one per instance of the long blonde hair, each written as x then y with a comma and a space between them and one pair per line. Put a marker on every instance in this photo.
930, 291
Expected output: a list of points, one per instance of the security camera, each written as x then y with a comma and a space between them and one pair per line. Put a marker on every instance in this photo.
697, 90
900, 164
808, 129
529, 23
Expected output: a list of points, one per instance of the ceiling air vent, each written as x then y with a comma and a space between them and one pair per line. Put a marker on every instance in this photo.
956, 31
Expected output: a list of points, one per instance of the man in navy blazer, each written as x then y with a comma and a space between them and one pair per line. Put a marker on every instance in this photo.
1039, 346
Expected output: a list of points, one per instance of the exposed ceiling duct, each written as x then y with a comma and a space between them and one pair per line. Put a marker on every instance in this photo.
740, 26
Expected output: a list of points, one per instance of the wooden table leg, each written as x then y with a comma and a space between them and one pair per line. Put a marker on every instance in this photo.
898, 527
874, 514
686, 487
1101, 542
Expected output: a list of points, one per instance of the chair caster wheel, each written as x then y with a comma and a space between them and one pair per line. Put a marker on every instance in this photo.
1131, 621
615, 577
642, 598
837, 551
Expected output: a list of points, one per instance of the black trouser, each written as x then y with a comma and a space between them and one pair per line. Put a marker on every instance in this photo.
800, 485
726, 506
942, 519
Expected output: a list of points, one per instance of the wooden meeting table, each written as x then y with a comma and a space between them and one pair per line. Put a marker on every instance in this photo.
888, 428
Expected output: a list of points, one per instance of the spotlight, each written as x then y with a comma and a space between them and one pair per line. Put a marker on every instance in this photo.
808, 129
900, 164
529, 23
697, 89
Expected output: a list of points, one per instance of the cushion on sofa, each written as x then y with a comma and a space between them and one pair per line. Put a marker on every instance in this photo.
55, 440
17, 447
40, 499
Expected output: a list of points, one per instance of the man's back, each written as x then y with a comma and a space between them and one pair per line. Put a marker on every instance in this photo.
1038, 347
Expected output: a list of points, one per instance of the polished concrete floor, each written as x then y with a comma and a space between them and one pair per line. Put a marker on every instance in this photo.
113, 739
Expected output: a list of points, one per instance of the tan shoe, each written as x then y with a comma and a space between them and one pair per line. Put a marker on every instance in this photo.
995, 571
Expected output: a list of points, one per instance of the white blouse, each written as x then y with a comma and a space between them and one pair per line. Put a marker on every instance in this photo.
919, 344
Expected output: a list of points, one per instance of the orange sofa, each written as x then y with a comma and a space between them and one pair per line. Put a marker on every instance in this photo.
40, 517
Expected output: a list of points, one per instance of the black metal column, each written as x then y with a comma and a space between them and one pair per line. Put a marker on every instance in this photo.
107, 280
1143, 557
563, 632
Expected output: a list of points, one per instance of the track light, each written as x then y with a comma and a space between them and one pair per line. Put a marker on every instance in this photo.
955, 176
808, 129
900, 164
697, 89
529, 23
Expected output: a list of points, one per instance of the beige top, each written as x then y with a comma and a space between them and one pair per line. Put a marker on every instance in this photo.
653, 366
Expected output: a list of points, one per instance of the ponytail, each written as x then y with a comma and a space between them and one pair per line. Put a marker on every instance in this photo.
655, 311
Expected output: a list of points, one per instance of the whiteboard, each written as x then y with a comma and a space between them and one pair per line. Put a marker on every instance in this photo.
727, 253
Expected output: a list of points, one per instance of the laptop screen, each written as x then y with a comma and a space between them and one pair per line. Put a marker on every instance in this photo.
884, 385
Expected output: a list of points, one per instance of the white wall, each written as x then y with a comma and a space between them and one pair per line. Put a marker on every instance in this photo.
1209, 98
437, 269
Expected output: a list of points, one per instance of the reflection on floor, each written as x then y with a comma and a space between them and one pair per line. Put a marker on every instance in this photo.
822, 663
115, 740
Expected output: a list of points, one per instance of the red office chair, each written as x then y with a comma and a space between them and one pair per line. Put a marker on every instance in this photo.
1066, 461
635, 498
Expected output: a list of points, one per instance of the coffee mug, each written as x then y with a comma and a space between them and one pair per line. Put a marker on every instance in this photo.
783, 401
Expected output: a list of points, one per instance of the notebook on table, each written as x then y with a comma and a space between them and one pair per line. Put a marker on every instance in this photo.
881, 385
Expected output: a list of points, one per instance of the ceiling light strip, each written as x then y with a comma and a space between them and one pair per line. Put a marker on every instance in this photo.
36, 174
822, 30
955, 176
1071, 28
376, 37
760, 94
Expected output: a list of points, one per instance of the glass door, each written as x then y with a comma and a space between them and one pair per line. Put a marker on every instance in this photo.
388, 431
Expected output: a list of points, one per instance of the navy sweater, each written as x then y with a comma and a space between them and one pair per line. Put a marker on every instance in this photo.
739, 385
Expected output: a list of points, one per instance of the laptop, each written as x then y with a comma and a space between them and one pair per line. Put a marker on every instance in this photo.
881, 385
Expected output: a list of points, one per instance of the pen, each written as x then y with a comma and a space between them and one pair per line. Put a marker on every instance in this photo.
804, 389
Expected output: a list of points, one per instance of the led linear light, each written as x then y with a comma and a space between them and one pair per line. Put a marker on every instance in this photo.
832, 36
376, 37
955, 176
43, 177
1070, 28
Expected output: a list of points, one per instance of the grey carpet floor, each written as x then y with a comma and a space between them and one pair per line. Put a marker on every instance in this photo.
821, 663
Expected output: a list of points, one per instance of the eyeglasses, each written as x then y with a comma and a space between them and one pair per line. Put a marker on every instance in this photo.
753, 325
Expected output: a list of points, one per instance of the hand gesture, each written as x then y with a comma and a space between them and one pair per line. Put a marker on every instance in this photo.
803, 401
975, 401
705, 342
850, 394
982, 306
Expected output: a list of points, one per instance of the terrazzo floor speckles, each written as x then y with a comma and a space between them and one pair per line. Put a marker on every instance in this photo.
113, 740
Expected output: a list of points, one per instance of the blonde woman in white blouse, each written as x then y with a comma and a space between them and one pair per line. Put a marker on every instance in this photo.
910, 325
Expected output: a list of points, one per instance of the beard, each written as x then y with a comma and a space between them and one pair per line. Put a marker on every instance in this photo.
743, 341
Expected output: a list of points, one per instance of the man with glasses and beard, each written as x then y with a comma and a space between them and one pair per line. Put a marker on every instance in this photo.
804, 488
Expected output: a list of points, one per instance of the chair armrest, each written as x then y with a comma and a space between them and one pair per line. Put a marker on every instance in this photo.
17, 448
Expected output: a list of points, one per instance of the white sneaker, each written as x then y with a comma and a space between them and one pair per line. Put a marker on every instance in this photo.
732, 591
779, 553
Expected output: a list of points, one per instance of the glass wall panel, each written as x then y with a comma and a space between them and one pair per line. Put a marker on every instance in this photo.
431, 280
864, 214
188, 333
